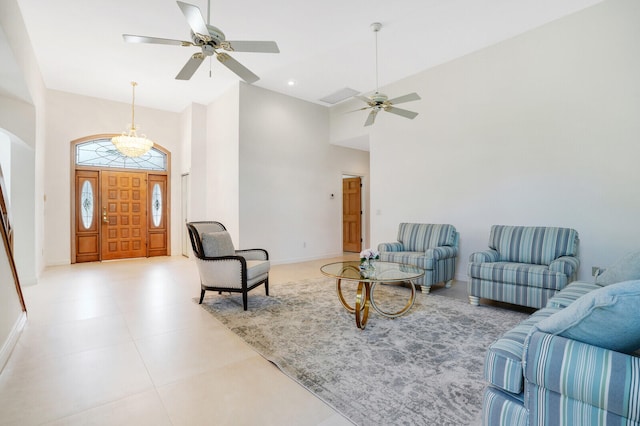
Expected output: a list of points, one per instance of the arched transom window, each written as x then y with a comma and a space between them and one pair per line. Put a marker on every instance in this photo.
102, 153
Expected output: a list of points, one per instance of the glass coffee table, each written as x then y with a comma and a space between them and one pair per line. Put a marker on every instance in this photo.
384, 272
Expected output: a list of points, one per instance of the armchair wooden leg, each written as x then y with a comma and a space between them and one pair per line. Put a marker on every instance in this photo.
448, 284
425, 289
266, 286
201, 296
474, 300
244, 299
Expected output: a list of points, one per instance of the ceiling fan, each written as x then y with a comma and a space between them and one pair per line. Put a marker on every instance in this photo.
381, 102
211, 41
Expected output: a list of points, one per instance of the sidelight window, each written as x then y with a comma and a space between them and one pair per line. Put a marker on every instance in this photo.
86, 198
156, 205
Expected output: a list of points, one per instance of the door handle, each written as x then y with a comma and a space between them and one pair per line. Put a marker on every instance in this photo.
104, 215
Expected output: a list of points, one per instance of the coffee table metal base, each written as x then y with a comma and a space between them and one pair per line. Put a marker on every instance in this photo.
365, 300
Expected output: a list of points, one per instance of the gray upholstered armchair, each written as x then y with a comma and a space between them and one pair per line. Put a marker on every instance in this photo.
432, 247
221, 267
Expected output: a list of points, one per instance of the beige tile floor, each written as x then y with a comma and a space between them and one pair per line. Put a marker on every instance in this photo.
122, 343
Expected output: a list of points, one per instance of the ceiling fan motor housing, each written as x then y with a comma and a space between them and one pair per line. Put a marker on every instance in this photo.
214, 38
210, 40
379, 98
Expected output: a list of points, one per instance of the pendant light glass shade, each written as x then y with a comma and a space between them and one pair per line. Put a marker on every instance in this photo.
129, 143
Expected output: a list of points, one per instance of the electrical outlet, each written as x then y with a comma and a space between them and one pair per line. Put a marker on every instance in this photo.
595, 270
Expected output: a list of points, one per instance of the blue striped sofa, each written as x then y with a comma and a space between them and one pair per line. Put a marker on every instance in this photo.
432, 247
538, 378
524, 265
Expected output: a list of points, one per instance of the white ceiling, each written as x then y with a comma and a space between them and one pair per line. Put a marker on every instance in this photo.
325, 46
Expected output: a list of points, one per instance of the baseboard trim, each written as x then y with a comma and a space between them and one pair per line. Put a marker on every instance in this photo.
12, 340
461, 277
305, 259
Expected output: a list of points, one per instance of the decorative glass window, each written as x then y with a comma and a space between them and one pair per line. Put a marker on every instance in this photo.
156, 205
86, 204
102, 153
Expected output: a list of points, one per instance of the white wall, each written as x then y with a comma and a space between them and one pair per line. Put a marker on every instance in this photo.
194, 143
72, 117
288, 170
5, 161
541, 129
22, 113
10, 309
11, 317
222, 158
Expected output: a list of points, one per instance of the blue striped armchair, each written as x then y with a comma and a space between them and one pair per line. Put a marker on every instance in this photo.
524, 265
432, 247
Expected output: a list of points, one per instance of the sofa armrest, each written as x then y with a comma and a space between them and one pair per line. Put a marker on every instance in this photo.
253, 254
442, 252
597, 377
397, 246
568, 265
484, 256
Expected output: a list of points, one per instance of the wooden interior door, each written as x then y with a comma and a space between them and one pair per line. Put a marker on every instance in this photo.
123, 215
351, 215
87, 220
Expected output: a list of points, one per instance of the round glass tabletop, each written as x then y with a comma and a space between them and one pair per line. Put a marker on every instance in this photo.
381, 271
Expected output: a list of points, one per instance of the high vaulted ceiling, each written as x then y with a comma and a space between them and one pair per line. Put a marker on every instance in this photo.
325, 45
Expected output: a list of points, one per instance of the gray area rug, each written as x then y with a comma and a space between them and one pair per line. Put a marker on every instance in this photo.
424, 368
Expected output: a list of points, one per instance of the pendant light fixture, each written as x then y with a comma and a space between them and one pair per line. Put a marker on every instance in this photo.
129, 143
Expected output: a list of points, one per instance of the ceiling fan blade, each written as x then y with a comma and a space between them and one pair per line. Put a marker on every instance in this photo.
194, 18
371, 117
130, 38
406, 98
401, 112
253, 46
235, 66
190, 67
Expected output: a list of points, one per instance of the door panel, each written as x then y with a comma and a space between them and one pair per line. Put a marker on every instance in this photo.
87, 225
158, 219
351, 215
124, 215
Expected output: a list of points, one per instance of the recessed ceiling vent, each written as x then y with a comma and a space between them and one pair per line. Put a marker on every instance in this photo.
340, 95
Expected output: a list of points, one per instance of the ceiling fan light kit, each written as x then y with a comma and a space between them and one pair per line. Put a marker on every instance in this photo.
211, 41
381, 102
129, 143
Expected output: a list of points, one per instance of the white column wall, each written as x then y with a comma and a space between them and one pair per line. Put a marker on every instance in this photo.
288, 170
195, 161
222, 190
25, 120
22, 114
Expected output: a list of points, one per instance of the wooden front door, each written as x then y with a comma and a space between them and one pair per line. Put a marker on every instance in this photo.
351, 215
123, 215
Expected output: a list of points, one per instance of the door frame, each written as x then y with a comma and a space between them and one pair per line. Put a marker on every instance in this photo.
72, 172
184, 212
364, 205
